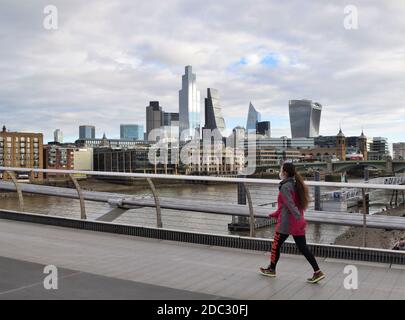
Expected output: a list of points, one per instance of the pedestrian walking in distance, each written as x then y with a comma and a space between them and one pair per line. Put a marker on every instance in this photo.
292, 200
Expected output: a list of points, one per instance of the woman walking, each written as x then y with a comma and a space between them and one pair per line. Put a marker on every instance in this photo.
292, 200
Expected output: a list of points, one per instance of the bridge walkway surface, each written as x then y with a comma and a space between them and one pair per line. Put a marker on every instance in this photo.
95, 265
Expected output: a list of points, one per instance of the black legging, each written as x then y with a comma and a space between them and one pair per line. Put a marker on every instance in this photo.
301, 243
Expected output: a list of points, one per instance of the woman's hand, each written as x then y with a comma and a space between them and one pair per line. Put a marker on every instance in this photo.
274, 214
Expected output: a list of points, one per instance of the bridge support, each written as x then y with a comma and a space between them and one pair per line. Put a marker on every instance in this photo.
159, 223
317, 191
389, 165
81, 198
366, 174
18, 189
251, 211
329, 166
365, 210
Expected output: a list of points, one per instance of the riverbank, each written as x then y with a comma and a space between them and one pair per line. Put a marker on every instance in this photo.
375, 238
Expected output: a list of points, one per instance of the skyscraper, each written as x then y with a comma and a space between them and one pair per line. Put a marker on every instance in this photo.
379, 149
87, 132
213, 113
189, 105
170, 119
154, 118
305, 118
263, 128
253, 118
131, 131
58, 136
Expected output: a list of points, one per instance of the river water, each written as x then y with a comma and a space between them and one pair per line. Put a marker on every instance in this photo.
182, 220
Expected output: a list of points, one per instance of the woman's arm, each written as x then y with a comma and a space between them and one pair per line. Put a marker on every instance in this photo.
286, 196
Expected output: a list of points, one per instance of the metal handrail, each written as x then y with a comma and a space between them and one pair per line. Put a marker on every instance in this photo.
243, 181
204, 178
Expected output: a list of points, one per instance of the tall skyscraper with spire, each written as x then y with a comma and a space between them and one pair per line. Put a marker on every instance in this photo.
189, 105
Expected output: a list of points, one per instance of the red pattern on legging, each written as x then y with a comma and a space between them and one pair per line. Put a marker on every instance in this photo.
274, 248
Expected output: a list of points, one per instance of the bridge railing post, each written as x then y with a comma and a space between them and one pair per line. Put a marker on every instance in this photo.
365, 211
159, 223
252, 222
17, 188
81, 198
317, 191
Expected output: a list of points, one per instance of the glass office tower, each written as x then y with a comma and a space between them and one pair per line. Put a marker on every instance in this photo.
305, 118
189, 105
253, 118
131, 132
154, 119
87, 132
213, 113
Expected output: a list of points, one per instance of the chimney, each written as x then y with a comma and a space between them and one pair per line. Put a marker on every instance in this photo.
4, 129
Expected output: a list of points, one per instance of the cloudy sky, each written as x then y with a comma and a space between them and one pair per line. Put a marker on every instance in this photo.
109, 58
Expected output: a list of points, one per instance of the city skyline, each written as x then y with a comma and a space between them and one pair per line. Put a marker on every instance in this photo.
65, 77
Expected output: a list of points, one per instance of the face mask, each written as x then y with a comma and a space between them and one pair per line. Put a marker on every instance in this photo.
281, 176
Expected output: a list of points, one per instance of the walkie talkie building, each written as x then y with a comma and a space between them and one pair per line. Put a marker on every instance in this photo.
305, 118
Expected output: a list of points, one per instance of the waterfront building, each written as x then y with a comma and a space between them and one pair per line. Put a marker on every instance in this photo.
113, 143
129, 160
399, 150
83, 159
341, 146
216, 159
58, 157
325, 149
21, 150
266, 155
378, 149
283, 143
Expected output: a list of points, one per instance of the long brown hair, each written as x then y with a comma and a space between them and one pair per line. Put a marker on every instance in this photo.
301, 187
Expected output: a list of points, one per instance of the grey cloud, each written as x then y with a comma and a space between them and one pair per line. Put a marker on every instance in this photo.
109, 58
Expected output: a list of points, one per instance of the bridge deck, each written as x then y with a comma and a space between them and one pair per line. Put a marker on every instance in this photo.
99, 265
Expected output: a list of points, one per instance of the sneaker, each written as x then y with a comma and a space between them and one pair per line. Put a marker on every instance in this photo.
267, 272
318, 276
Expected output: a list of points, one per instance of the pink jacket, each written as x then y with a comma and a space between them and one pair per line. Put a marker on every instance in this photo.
290, 219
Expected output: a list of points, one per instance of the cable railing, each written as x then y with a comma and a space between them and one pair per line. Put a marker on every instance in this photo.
248, 199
